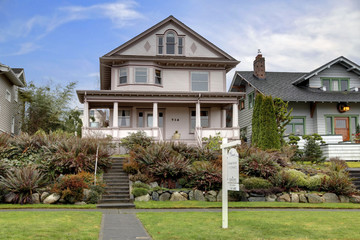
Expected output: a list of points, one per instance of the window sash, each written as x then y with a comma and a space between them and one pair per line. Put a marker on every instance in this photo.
124, 118
8, 95
200, 81
140, 75
335, 84
296, 126
157, 76
180, 45
122, 75
170, 43
204, 119
160, 45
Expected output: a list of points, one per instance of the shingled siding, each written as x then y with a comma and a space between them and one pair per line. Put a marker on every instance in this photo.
336, 71
245, 115
8, 109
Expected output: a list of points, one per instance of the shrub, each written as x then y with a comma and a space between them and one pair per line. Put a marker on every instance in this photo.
139, 177
337, 165
256, 183
131, 167
188, 152
339, 183
70, 187
141, 185
259, 164
95, 194
204, 176
298, 178
314, 182
213, 142
23, 183
137, 192
139, 138
256, 119
283, 180
312, 150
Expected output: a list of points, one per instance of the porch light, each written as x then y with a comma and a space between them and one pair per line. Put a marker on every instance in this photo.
343, 107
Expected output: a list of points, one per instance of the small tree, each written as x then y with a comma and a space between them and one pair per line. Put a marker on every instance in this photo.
256, 119
283, 117
312, 150
268, 135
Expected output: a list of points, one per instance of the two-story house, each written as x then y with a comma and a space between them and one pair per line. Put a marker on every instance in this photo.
324, 101
10, 81
167, 79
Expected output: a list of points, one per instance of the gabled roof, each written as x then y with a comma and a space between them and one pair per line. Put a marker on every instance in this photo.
15, 75
170, 19
279, 84
351, 66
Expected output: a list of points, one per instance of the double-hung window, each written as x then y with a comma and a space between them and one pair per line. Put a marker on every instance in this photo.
180, 45
140, 75
157, 76
204, 119
335, 84
200, 81
251, 99
160, 45
296, 126
124, 118
170, 43
123, 75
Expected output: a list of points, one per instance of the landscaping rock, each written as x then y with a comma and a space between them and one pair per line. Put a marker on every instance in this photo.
294, 198
35, 197
9, 198
256, 199
165, 196
62, 201
155, 196
153, 184
176, 196
284, 198
355, 199
44, 195
80, 203
211, 196
198, 195
313, 198
184, 195
344, 199
144, 198
86, 194
302, 198
52, 198
219, 196
270, 198
331, 198
256, 195
191, 195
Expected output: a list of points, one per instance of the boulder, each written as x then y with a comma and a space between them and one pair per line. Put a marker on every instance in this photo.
10, 197
44, 195
284, 198
198, 195
210, 196
344, 199
144, 198
80, 203
256, 195
355, 199
153, 184
219, 196
52, 198
302, 198
86, 194
331, 198
314, 198
35, 197
176, 196
191, 195
155, 196
184, 194
164, 197
257, 199
270, 198
294, 198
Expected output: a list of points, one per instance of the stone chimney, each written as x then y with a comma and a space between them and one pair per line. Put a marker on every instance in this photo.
259, 66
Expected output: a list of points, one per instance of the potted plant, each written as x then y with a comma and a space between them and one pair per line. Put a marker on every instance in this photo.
176, 135
356, 137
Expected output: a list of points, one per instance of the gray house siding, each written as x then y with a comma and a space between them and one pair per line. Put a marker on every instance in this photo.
8, 110
245, 115
303, 110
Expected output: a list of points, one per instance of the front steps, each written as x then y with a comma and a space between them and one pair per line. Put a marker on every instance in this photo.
354, 174
117, 187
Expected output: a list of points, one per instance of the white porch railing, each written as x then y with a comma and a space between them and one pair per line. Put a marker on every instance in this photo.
328, 139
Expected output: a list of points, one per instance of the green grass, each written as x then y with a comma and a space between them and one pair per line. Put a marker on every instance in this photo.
252, 225
47, 206
50, 225
120, 155
200, 204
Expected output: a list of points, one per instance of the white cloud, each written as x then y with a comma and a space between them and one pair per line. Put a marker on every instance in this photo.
25, 48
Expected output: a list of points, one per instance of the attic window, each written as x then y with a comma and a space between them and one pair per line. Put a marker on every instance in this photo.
335, 84
170, 43
174, 44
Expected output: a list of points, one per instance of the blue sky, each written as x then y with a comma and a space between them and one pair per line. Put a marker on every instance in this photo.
58, 42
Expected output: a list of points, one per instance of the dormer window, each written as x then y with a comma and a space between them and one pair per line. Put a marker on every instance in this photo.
335, 84
174, 44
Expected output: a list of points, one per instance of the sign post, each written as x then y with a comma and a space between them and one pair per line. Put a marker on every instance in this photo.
230, 175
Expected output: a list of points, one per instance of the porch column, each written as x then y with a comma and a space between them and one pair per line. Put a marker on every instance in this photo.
155, 115
197, 118
223, 118
116, 115
235, 119
86, 114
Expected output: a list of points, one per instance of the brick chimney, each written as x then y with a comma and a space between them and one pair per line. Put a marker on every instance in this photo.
259, 66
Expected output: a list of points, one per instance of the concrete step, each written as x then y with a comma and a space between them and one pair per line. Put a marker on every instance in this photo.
116, 205
125, 200
117, 188
112, 196
111, 192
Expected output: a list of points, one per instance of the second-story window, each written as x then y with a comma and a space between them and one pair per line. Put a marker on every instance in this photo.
157, 76
180, 45
170, 43
123, 75
140, 75
200, 81
160, 45
8, 95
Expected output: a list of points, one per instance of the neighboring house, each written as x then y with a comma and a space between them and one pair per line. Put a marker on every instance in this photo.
98, 118
10, 81
167, 79
324, 101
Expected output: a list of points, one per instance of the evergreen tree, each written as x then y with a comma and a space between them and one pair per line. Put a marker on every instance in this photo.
283, 117
256, 119
268, 133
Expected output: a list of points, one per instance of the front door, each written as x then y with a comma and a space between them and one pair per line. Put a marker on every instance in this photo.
342, 127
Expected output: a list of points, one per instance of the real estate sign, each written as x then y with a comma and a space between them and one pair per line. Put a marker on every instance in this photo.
233, 170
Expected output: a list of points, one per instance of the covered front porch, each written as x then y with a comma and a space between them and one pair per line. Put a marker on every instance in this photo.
184, 117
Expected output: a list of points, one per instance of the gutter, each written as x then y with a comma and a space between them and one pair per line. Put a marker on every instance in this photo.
7, 71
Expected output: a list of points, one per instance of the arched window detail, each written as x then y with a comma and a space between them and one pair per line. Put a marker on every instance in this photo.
170, 43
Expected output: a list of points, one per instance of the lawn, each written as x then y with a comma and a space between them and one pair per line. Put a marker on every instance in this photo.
47, 206
252, 225
50, 225
201, 204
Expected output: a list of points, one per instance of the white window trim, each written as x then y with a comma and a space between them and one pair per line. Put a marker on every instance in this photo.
13, 125
130, 117
192, 131
8, 95
191, 81
127, 75
176, 46
147, 75
161, 76
16, 93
